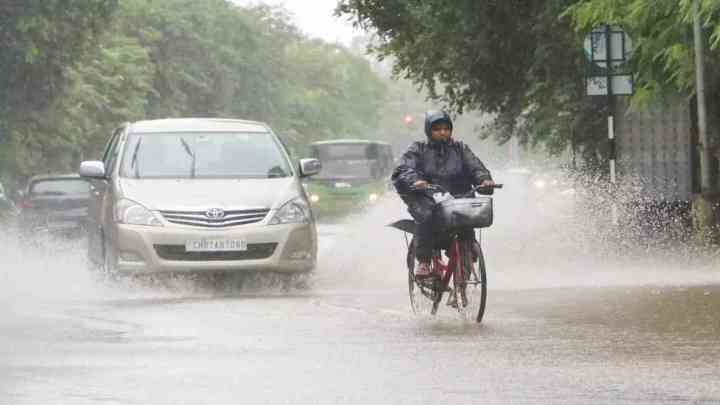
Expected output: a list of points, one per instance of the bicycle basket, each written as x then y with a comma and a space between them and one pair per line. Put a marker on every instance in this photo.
464, 213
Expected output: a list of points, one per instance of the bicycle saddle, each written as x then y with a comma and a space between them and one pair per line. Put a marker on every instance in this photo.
405, 225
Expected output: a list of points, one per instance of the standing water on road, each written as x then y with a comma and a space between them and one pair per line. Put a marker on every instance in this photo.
563, 324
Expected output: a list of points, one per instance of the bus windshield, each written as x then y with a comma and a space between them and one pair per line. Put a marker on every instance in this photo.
358, 160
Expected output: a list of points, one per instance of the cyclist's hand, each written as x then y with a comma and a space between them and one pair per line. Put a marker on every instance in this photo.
487, 183
420, 184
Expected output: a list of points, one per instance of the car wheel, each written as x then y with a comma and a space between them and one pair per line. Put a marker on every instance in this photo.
107, 268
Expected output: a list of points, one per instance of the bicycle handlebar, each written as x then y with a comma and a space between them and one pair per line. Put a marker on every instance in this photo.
439, 188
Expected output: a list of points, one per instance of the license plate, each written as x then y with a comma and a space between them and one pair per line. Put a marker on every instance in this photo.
216, 245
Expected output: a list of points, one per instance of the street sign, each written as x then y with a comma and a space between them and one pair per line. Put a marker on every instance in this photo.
608, 48
596, 43
622, 85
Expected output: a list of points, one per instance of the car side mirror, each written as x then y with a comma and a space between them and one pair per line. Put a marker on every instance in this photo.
309, 167
93, 169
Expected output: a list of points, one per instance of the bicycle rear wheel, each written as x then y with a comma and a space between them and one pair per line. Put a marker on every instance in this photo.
473, 289
422, 293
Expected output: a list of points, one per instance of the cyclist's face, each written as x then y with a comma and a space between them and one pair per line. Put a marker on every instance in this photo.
440, 131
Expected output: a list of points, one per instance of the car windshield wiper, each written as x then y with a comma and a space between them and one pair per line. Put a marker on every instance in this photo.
134, 161
191, 154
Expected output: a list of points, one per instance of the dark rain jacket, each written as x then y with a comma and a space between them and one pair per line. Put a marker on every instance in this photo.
451, 165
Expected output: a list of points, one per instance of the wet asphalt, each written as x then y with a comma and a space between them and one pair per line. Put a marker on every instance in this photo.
563, 325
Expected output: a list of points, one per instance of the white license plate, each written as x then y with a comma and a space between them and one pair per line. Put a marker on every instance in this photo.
216, 245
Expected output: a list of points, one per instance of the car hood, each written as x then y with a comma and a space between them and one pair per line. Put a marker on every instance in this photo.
201, 194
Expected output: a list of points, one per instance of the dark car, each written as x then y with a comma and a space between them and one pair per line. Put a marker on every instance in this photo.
56, 204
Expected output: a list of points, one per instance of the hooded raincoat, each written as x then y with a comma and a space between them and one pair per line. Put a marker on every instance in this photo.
450, 164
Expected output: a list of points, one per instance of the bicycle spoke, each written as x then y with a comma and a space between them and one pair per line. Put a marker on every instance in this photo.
423, 293
471, 291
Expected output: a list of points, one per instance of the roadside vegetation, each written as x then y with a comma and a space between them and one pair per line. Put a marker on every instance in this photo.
72, 71
524, 60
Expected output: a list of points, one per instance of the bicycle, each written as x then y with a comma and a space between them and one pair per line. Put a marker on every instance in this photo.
465, 267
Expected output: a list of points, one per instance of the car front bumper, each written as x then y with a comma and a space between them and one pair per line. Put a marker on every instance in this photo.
287, 248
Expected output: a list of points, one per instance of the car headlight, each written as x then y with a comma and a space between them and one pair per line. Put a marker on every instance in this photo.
314, 198
131, 213
373, 197
292, 212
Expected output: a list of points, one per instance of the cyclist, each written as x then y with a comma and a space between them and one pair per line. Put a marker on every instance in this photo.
443, 161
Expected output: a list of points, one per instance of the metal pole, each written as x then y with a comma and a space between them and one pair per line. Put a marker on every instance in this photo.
611, 119
613, 178
705, 175
611, 139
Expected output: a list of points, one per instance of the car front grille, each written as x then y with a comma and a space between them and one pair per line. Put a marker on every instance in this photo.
231, 218
178, 253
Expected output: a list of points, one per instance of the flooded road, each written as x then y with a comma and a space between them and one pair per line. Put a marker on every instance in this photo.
561, 326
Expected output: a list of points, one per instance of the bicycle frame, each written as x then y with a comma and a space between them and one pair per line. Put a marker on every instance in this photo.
453, 270
447, 270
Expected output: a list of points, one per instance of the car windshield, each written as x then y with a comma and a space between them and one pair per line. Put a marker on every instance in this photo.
60, 187
204, 155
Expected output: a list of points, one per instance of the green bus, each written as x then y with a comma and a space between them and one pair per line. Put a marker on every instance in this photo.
355, 173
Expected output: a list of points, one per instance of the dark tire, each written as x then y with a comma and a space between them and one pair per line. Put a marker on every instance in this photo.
475, 286
422, 299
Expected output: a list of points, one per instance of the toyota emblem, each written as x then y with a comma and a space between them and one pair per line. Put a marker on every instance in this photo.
215, 213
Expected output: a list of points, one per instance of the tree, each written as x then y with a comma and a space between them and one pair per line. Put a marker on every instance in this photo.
168, 58
663, 58
39, 39
335, 94
516, 59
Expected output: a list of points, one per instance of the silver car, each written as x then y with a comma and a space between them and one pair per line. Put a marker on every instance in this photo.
190, 195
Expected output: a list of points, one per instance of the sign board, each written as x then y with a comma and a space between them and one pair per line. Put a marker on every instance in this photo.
596, 44
622, 85
608, 48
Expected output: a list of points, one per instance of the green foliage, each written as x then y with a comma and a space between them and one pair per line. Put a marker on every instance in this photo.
168, 58
217, 60
334, 95
39, 39
522, 60
663, 55
516, 59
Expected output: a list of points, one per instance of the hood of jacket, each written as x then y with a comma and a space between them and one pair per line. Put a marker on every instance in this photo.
433, 117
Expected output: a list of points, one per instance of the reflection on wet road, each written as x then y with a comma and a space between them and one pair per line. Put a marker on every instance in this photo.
552, 334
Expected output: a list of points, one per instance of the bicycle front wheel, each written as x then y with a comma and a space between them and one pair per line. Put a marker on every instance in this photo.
422, 294
473, 290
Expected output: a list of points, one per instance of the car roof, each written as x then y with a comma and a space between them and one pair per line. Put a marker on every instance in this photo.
171, 125
44, 177
349, 141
